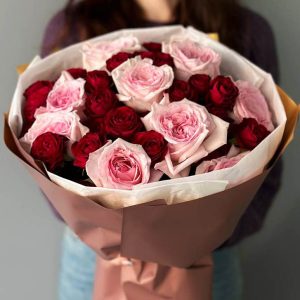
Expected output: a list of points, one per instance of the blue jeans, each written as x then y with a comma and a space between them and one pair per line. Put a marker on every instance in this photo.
78, 268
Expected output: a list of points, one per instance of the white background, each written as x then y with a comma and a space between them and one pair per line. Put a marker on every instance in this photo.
30, 235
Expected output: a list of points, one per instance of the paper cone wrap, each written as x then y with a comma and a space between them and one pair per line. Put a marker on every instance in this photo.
151, 250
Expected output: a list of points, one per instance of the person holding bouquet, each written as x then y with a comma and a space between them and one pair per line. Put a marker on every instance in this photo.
237, 27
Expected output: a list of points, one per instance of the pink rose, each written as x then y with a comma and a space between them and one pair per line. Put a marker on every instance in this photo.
63, 123
119, 165
220, 163
140, 83
192, 133
66, 95
251, 104
192, 58
95, 54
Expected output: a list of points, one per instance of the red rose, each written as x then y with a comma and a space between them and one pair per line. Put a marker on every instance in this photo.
223, 92
97, 80
153, 47
96, 125
117, 59
77, 73
49, 148
35, 97
159, 58
145, 54
153, 143
222, 151
122, 122
179, 90
249, 133
199, 86
100, 102
86, 145
219, 112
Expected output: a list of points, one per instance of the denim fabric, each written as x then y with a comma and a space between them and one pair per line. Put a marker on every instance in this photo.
78, 268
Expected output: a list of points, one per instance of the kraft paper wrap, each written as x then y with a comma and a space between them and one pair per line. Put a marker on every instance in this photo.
154, 251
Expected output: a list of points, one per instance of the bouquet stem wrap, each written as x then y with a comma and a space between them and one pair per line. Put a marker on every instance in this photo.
151, 281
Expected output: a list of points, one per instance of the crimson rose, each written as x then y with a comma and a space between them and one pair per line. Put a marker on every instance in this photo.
159, 58
223, 92
199, 86
100, 102
249, 133
117, 60
179, 90
122, 122
49, 148
96, 125
77, 73
86, 145
35, 97
153, 143
153, 47
219, 112
96, 81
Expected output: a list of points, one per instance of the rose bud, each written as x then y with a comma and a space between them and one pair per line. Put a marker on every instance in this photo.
249, 133
86, 145
97, 80
98, 104
199, 86
77, 73
153, 47
122, 122
153, 143
179, 90
117, 60
223, 92
49, 148
35, 97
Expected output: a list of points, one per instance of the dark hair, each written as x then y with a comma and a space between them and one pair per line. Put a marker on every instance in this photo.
94, 17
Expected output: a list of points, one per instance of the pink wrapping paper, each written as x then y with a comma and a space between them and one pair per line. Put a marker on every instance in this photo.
167, 248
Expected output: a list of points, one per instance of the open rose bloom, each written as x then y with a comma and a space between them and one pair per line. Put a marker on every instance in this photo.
148, 217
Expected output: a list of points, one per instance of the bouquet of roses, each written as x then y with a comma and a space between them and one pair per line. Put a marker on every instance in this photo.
145, 118
140, 112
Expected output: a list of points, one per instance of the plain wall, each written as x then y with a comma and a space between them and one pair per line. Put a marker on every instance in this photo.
30, 235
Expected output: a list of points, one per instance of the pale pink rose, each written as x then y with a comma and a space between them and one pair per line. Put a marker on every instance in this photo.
220, 163
140, 83
95, 54
192, 58
251, 103
66, 95
191, 131
61, 122
119, 165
